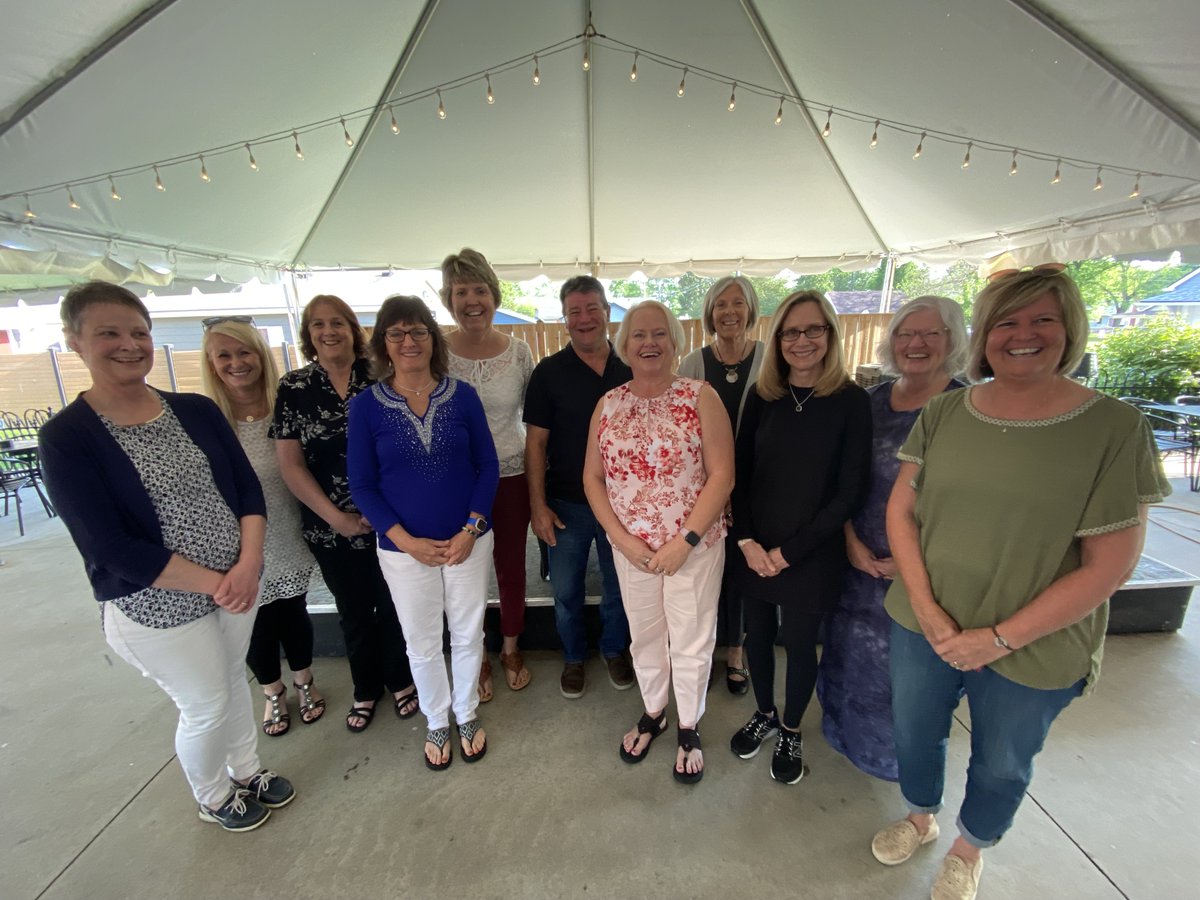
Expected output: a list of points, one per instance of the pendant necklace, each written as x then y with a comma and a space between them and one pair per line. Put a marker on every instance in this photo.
731, 372
800, 403
416, 391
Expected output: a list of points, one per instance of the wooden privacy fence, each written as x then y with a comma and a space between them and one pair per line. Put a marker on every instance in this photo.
29, 380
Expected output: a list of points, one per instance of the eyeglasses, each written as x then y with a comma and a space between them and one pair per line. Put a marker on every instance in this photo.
397, 335
932, 334
812, 332
217, 320
1045, 269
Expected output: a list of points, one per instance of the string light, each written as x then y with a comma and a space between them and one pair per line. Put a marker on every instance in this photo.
204, 176
679, 93
71, 202
828, 124
29, 213
1012, 170
633, 71
966, 163
920, 146
1099, 181
875, 136
491, 98
587, 55
733, 97
537, 75
1137, 187
441, 106
779, 115
346, 134
112, 184
395, 124
158, 182
1057, 172
253, 161
299, 152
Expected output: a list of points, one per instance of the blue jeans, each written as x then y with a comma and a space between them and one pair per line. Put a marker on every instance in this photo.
568, 567
1009, 724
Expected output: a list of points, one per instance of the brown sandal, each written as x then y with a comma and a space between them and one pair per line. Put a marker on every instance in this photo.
485, 680
310, 710
515, 673
277, 715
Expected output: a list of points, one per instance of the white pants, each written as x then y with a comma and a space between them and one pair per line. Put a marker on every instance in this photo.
673, 628
202, 667
422, 594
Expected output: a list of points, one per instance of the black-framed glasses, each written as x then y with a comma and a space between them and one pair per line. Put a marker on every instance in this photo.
217, 320
812, 332
420, 334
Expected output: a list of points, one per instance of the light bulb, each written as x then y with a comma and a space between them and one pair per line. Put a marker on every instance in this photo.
1099, 181
112, 184
587, 56
875, 136
71, 202
920, 146
204, 176
441, 106
299, 152
633, 71
1012, 170
679, 92
779, 115
395, 124
158, 182
828, 124
1137, 187
537, 75
733, 97
346, 134
253, 161
491, 98
1057, 172
966, 163
29, 213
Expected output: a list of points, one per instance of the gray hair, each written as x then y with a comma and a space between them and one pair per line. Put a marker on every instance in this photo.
710, 300
951, 315
674, 329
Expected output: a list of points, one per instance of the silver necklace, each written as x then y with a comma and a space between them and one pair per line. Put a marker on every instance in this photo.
800, 403
416, 391
731, 372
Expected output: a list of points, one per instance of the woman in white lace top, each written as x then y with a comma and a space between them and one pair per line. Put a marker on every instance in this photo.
498, 367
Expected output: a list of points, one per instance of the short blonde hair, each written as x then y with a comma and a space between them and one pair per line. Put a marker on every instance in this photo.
215, 388
468, 267
951, 315
710, 300
773, 376
1006, 295
673, 328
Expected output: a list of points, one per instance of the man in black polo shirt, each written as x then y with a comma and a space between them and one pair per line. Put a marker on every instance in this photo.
562, 394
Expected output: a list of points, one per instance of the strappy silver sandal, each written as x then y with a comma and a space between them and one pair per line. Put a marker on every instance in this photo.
309, 706
279, 715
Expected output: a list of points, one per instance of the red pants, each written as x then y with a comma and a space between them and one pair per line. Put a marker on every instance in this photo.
510, 525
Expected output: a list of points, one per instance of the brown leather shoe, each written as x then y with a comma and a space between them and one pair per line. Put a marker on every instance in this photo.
620, 671
573, 681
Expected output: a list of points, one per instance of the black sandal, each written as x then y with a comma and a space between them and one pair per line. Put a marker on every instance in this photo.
737, 688
689, 740
310, 710
650, 725
404, 701
360, 712
438, 737
466, 733
279, 714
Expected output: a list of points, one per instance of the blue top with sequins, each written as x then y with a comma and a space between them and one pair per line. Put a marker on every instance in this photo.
426, 473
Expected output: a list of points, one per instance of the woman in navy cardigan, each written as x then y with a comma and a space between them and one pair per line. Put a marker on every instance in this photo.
169, 518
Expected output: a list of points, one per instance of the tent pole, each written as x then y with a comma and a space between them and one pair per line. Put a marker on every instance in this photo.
889, 282
594, 265
291, 296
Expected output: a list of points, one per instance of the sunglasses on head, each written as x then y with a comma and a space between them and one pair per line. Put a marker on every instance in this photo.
1050, 268
217, 320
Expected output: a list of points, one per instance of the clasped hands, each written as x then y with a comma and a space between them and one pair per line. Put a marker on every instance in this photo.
666, 560
239, 586
967, 650
766, 563
433, 553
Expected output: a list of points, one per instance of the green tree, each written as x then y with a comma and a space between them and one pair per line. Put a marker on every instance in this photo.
621, 287
1161, 357
1111, 285
771, 292
511, 297
961, 283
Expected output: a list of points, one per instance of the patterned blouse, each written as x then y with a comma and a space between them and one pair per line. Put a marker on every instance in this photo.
653, 464
288, 564
196, 521
501, 382
308, 409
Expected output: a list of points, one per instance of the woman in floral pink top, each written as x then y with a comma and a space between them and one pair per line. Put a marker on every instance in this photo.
659, 469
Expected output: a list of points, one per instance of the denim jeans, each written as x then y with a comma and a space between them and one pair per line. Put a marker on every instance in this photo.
568, 567
1009, 724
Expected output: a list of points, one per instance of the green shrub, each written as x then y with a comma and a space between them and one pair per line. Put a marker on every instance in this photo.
1162, 353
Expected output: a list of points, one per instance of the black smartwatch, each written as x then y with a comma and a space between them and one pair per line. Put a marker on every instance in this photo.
691, 537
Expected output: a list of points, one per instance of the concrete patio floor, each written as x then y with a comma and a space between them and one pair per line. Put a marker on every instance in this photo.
94, 804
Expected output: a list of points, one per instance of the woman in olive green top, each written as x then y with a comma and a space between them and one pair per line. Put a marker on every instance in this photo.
1018, 510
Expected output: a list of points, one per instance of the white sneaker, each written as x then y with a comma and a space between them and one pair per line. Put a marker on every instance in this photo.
957, 880
899, 841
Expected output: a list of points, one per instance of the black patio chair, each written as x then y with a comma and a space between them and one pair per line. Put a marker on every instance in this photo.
10, 421
37, 417
15, 474
1174, 436
1187, 400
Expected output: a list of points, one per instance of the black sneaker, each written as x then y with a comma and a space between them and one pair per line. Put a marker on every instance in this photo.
749, 739
240, 812
787, 765
269, 789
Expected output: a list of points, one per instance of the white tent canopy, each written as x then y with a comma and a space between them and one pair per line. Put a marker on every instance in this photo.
590, 170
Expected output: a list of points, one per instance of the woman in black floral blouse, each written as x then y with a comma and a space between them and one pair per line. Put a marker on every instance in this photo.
310, 433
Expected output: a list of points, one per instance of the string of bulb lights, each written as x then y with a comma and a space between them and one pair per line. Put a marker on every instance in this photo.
587, 42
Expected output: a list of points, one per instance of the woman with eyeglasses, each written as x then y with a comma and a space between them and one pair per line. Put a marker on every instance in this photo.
240, 376
311, 409
1018, 510
803, 464
423, 469
925, 345
498, 367
169, 518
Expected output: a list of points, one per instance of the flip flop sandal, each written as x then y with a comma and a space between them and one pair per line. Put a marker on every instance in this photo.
279, 715
404, 701
438, 737
366, 713
689, 740
466, 733
646, 725
485, 677
515, 673
310, 710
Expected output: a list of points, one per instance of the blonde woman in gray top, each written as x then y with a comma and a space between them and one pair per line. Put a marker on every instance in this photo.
240, 375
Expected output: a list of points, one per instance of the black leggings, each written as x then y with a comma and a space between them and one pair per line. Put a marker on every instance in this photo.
284, 621
800, 630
